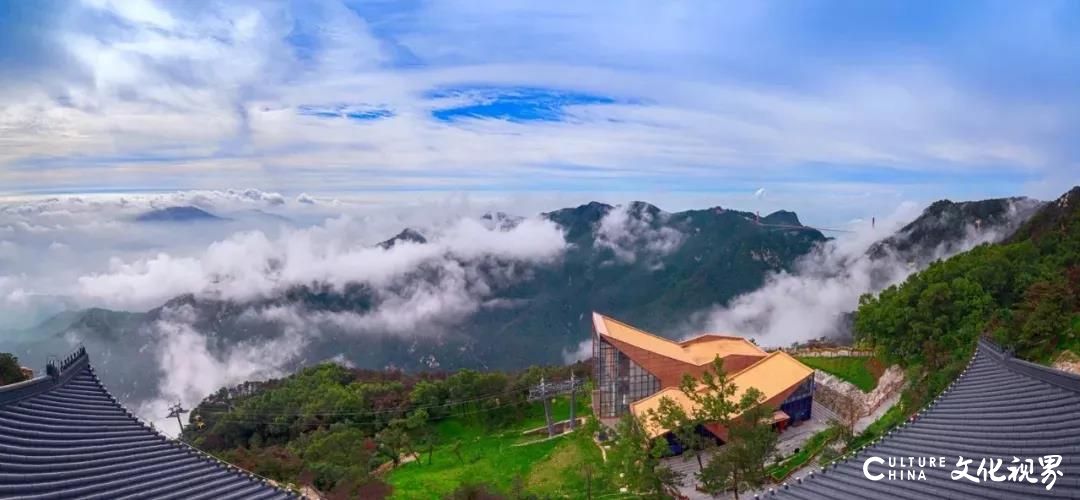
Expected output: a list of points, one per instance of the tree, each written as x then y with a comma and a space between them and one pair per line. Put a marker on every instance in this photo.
712, 400
420, 432
750, 439
670, 415
587, 471
474, 491
636, 457
713, 396
719, 473
849, 409
10, 371
394, 440
740, 463
457, 451
1043, 316
517, 489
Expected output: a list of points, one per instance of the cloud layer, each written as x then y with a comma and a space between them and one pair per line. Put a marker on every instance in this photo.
252, 265
332, 96
812, 301
97, 252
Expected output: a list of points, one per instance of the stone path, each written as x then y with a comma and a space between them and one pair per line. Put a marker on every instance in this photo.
791, 438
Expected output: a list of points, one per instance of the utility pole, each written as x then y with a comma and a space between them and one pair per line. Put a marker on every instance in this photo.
175, 411
573, 400
588, 469
545, 391
547, 407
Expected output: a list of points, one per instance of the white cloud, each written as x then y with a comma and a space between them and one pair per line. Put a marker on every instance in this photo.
826, 284
190, 370
101, 256
143, 283
260, 196
582, 352
252, 264
208, 95
630, 234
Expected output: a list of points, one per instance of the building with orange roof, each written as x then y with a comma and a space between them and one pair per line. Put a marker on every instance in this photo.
635, 369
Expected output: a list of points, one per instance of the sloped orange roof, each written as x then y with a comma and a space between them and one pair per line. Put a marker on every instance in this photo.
771, 375
696, 351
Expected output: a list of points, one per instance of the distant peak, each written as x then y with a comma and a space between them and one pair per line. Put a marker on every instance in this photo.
407, 235
1072, 196
782, 217
640, 208
595, 205
494, 216
938, 207
590, 211
177, 214
501, 220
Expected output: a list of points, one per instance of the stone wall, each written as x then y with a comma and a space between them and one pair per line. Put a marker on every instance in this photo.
828, 352
834, 393
1067, 362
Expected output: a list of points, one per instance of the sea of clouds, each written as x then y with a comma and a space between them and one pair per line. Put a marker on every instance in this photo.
811, 301
72, 252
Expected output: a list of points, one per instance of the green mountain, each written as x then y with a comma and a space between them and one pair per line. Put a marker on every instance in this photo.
946, 224
1023, 292
177, 214
636, 262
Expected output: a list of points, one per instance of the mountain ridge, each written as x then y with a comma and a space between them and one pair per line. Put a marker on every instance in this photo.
184, 213
653, 267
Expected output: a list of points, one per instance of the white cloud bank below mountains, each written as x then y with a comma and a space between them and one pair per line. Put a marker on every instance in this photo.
252, 264
826, 284
416, 287
73, 252
191, 370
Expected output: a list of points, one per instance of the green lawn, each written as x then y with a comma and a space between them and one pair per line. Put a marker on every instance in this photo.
861, 371
562, 474
889, 420
553, 467
806, 453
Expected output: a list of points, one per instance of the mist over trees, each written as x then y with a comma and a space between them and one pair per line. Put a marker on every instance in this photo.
1024, 293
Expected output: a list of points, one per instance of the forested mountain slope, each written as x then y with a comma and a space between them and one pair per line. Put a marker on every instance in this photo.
646, 266
1023, 292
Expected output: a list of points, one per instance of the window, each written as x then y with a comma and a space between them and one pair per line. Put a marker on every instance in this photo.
619, 380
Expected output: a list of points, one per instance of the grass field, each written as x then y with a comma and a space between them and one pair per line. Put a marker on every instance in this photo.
889, 420
549, 467
807, 452
861, 371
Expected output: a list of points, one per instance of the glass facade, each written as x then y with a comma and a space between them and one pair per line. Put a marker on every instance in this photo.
799, 404
619, 380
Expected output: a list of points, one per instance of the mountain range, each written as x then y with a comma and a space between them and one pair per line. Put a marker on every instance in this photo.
636, 262
177, 214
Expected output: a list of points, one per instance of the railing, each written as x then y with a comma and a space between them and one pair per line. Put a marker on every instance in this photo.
72, 358
1049, 375
827, 352
55, 372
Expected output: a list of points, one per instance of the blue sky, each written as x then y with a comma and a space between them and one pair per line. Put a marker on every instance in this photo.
850, 105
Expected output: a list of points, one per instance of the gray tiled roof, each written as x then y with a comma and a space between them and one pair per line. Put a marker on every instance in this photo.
63, 435
999, 407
